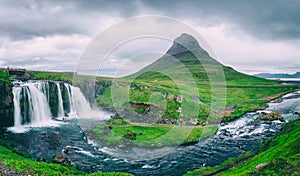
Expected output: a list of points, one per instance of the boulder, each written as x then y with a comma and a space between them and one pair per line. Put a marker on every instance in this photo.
179, 99
63, 159
171, 97
260, 166
270, 116
41, 159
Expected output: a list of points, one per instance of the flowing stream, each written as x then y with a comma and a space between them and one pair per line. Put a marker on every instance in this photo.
233, 138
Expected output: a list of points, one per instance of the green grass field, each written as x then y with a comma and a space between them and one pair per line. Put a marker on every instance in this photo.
246, 95
123, 132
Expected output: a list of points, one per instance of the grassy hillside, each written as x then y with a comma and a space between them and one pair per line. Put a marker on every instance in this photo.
277, 156
4, 77
198, 80
23, 163
181, 89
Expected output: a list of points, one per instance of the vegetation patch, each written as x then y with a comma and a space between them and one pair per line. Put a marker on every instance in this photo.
24, 164
123, 133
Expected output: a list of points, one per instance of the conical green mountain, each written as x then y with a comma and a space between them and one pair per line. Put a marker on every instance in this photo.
187, 78
186, 53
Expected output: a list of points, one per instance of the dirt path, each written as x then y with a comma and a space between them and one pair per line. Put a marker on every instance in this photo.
272, 97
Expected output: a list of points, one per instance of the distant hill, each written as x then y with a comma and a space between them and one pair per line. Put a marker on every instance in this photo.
278, 75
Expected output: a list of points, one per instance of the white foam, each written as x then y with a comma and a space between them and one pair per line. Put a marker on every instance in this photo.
28, 127
147, 166
87, 153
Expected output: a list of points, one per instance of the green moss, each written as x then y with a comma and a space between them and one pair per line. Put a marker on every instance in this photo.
54, 76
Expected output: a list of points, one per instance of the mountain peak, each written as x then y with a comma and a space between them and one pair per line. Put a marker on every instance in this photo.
185, 38
186, 43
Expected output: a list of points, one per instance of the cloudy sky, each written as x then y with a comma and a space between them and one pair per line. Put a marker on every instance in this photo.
251, 36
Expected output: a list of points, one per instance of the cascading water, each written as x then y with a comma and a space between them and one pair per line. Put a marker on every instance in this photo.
36, 106
40, 101
60, 102
17, 114
67, 86
79, 102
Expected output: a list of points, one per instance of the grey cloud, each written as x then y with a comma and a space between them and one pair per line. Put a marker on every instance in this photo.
26, 62
27, 19
268, 19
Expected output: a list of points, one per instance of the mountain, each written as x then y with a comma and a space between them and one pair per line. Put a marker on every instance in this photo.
186, 78
186, 55
278, 75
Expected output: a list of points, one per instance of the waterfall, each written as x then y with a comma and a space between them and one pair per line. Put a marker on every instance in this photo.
80, 104
41, 101
17, 113
61, 112
67, 86
36, 106
39, 107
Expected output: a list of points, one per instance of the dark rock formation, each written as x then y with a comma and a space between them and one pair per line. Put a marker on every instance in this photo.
6, 102
19, 74
91, 87
185, 43
53, 98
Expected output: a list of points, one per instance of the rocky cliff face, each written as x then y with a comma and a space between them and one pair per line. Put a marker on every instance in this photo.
186, 43
6, 101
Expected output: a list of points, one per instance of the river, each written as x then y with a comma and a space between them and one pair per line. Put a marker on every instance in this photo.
232, 140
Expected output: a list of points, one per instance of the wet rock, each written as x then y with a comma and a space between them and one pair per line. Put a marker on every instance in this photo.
41, 159
167, 121
270, 116
130, 136
63, 159
106, 129
202, 123
67, 150
277, 101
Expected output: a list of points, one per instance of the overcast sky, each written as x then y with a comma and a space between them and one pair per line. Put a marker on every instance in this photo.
251, 36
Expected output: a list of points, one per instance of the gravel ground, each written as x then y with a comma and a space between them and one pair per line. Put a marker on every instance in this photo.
4, 170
